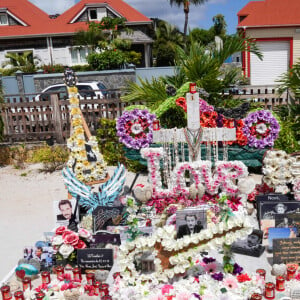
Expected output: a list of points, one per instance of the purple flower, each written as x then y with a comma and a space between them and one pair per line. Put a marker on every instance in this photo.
208, 260
237, 269
218, 276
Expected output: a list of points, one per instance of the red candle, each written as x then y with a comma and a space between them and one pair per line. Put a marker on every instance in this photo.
90, 277
156, 125
290, 272
256, 296
261, 273
46, 277
59, 271
19, 295
104, 289
40, 296
26, 283
97, 286
6, 294
193, 88
77, 274
280, 283
270, 290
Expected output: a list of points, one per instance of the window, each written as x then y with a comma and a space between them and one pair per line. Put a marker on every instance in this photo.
86, 90
78, 56
60, 90
3, 19
96, 14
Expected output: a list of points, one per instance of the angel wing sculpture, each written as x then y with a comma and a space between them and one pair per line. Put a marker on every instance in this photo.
107, 194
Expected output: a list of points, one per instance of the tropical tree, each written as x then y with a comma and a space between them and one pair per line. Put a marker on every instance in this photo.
186, 9
167, 38
220, 25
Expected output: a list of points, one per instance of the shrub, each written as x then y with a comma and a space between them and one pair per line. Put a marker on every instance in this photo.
52, 157
53, 68
18, 156
82, 68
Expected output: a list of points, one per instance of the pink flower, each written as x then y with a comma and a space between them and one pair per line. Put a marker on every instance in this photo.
166, 289
230, 283
183, 296
210, 267
60, 230
71, 239
84, 233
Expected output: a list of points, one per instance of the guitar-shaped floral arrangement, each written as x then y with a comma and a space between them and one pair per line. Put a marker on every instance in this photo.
85, 159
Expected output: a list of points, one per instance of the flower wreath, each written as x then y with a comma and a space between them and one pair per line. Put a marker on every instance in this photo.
135, 128
261, 129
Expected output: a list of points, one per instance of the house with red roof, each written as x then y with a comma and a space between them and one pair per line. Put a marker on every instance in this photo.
275, 25
23, 27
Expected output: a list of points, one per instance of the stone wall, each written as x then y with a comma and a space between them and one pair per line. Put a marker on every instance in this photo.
111, 79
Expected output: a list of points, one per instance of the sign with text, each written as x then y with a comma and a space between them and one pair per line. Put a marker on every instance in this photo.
272, 197
286, 251
95, 259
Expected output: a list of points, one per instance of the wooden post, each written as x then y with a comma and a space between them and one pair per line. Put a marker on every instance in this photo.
57, 118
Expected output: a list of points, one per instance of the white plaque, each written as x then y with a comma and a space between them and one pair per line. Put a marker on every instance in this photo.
193, 110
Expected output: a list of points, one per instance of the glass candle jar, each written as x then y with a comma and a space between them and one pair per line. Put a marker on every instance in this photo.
156, 125
19, 295
256, 296
104, 289
40, 296
290, 272
77, 274
60, 270
261, 273
26, 283
280, 283
270, 290
90, 278
5, 291
46, 277
193, 88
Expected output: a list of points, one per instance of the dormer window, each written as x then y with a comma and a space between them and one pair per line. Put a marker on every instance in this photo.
3, 19
96, 14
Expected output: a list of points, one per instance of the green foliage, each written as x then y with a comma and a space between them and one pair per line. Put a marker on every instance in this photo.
107, 60
202, 36
220, 25
173, 117
52, 157
113, 151
82, 68
53, 68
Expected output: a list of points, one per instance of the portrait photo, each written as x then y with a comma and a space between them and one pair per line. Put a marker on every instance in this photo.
280, 233
251, 246
191, 221
66, 213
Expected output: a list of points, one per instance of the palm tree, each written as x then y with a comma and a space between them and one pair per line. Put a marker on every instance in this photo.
186, 9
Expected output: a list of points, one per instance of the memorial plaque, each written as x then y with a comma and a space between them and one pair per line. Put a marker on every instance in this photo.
93, 259
272, 197
286, 251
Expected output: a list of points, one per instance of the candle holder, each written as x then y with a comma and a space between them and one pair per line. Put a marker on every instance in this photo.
5, 291
90, 278
40, 296
60, 270
270, 290
290, 272
156, 125
77, 274
280, 283
19, 295
97, 286
193, 88
261, 273
256, 296
26, 282
104, 289
46, 277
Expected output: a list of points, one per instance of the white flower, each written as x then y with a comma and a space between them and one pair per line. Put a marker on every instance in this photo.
65, 250
57, 240
84, 233
261, 128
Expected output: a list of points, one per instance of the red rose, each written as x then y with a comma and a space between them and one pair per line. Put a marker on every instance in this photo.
71, 239
243, 278
60, 230
80, 245
66, 233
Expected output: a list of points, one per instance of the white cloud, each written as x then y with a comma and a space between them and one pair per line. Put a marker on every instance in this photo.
54, 6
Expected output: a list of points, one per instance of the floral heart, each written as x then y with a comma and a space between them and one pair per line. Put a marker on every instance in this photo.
20, 274
278, 270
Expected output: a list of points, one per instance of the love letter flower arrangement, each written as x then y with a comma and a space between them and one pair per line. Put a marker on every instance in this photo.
135, 128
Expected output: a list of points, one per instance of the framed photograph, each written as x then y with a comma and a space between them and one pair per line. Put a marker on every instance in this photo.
283, 221
66, 213
191, 220
295, 220
251, 246
280, 233
101, 239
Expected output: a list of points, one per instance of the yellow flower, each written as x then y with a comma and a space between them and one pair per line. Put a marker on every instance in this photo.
75, 111
86, 163
76, 122
74, 100
72, 89
80, 142
79, 131
82, 153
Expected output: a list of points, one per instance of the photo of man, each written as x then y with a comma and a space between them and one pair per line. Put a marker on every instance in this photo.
192, 226
66, 213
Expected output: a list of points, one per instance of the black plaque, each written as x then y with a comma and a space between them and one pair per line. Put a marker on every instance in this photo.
272, 197
93, 259
104, 216
286, 251
101, 239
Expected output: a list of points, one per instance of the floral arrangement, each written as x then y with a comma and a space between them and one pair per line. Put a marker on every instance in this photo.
277, 170
86, 171
261, 128
135, 128
296, 189
65, 243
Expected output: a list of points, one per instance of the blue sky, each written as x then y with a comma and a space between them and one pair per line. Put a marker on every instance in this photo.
200, 16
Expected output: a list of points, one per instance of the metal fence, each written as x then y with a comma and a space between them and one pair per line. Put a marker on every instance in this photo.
27, 120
